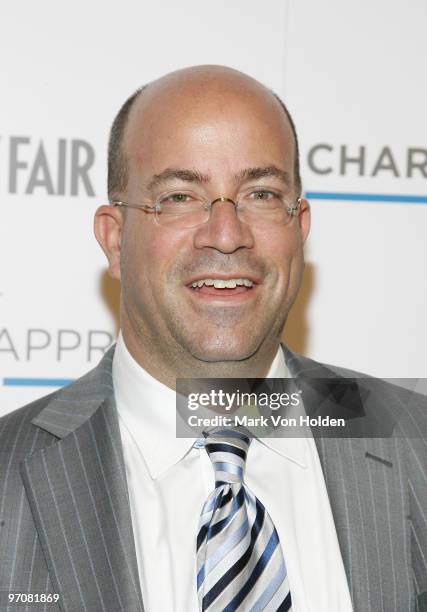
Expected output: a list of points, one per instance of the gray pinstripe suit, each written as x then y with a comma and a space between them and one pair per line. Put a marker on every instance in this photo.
65, 524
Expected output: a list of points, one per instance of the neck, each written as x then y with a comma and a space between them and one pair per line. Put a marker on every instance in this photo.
166, 367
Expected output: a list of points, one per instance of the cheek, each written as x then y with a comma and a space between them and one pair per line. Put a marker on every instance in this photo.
136, 259
149, 256
280, 248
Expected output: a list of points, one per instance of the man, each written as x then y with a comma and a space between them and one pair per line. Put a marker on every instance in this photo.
101, 501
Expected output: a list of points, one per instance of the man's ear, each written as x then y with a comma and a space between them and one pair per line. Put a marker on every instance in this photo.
304, 219
107, 225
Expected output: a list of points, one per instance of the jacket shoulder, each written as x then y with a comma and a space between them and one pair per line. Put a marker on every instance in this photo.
397, 402
19, 420
16, 428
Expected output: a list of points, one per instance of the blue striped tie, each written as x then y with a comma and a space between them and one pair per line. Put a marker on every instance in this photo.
240, 564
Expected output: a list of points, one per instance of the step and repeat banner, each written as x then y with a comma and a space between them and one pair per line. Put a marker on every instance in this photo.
353, 78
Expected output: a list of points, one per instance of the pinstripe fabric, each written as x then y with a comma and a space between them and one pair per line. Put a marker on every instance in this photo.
65, 521
22, 564
378, 494
67, 525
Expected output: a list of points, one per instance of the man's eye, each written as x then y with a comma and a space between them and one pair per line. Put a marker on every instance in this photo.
263, 194
176, 198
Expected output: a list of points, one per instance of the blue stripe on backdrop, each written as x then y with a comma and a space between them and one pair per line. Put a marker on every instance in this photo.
36, 382
365, 197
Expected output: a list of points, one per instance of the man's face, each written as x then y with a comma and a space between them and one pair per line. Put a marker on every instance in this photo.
220, 136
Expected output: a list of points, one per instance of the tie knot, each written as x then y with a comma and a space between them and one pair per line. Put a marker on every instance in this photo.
227, 449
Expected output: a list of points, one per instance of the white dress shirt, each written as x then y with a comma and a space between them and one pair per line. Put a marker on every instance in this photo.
169, 481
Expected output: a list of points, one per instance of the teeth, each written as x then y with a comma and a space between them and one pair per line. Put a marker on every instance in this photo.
220, 283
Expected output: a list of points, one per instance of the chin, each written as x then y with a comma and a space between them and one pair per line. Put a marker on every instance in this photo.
222, 349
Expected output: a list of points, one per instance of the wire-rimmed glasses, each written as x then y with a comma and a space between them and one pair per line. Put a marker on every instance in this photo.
188, 209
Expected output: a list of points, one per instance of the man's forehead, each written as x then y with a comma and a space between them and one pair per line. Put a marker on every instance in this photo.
197, 94
201, 83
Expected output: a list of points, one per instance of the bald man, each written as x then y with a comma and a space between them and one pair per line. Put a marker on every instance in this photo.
103, 506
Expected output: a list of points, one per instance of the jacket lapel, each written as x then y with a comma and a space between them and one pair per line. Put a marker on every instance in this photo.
365, 491
78, 495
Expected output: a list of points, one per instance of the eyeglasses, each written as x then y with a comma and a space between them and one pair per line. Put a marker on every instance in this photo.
188, 209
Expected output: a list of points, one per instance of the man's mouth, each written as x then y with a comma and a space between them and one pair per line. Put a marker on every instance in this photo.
222, 287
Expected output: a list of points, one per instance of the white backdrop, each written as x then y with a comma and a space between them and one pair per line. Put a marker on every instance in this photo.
353, 78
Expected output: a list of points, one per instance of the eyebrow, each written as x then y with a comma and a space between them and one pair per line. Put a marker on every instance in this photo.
193, 176
250, 174
189, 176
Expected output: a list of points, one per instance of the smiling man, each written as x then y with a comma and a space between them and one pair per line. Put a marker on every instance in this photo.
232, 159
102, 506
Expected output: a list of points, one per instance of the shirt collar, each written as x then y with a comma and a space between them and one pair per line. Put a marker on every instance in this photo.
147, 409
294, 449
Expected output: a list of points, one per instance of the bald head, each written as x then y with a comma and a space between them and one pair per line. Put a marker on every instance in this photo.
202, 91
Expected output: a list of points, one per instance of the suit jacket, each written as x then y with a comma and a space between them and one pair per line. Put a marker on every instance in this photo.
65, 523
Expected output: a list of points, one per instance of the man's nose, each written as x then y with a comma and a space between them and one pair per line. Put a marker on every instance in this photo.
224, 230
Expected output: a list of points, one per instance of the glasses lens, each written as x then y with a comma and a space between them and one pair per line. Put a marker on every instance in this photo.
264, 207
182, 210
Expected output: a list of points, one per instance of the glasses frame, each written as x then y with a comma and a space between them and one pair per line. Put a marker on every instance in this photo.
156, 208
